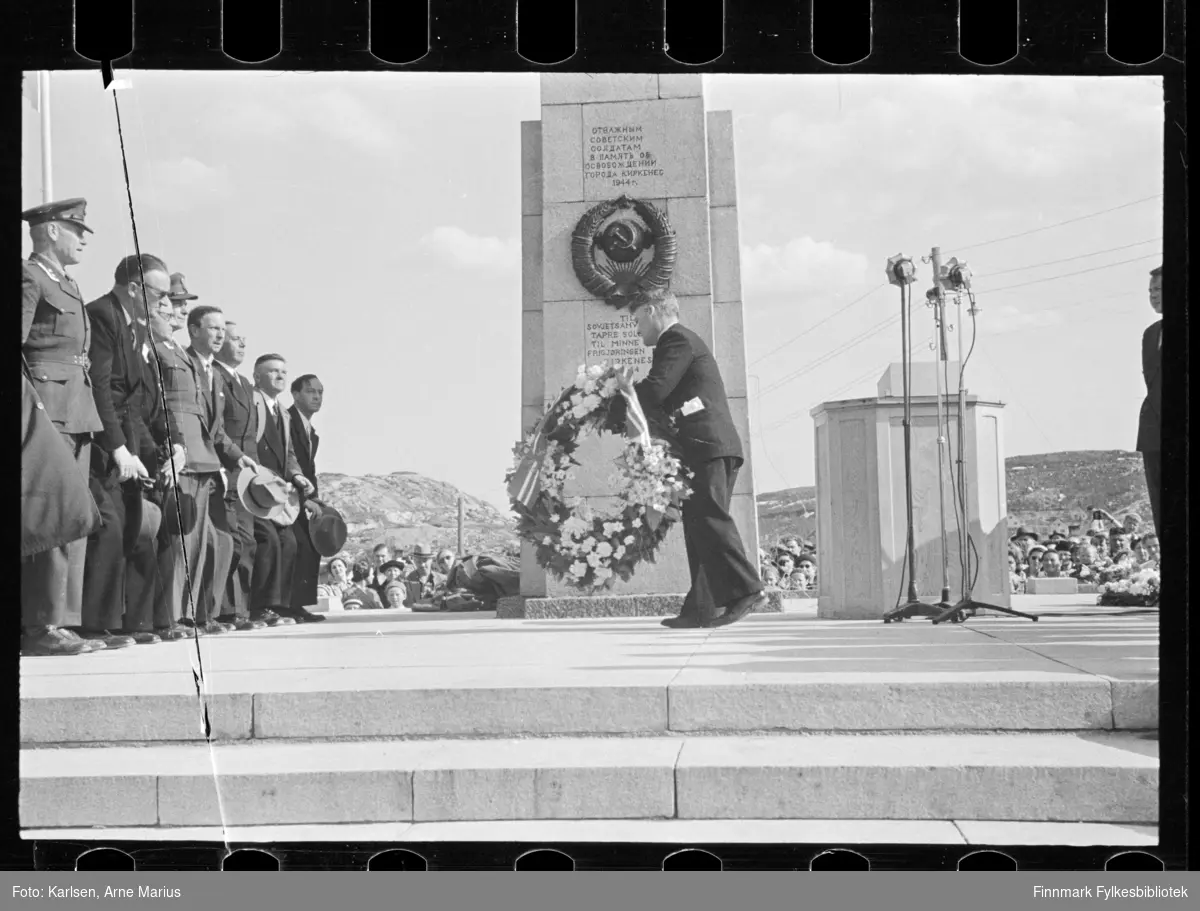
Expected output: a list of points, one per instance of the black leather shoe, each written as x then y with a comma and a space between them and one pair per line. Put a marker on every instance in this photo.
174, 632
141, 636
269, 617
739, 609
300, 615
682, 622
242, 623
109, 639
49, 640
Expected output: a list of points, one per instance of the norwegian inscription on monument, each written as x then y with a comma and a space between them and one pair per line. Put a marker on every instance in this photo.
615, 340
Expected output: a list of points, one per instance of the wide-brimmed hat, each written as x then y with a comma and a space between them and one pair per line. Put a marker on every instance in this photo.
1024, 532
142, 526
70, 210
179, 291
327, 530
263, 493
422, 550
390, 563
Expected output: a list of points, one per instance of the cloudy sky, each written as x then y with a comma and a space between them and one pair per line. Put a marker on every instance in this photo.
368, 225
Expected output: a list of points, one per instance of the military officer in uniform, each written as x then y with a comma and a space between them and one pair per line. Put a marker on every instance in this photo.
55, 336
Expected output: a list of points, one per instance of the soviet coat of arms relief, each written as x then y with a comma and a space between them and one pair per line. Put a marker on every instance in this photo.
623, 247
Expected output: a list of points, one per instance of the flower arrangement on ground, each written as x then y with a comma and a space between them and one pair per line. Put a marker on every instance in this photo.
1141, 589
588, 548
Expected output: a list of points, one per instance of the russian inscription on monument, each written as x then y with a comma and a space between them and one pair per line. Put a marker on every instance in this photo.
615, 340
617, 155
623, 150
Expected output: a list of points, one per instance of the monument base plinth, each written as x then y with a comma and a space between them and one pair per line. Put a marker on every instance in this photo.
563, 608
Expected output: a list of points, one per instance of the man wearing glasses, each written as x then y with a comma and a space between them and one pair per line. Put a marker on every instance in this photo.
121, 574
55, 335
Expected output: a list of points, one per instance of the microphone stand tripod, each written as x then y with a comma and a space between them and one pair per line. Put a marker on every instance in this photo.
914, 606
958, 612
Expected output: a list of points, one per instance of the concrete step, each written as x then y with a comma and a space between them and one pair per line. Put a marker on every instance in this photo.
1100, 777
644, 831
506, 702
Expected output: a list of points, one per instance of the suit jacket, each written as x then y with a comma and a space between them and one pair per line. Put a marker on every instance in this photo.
684, 369
241, 417
281, 459
306, 456
122, 385
197, 415
55, 337
56, 502
1149, 438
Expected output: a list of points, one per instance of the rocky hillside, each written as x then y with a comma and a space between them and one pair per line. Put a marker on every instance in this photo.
1044, 491
407, 508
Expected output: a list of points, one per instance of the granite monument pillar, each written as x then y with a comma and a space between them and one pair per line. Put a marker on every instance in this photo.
646, 143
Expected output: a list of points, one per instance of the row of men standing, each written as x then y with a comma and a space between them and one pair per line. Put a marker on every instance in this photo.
172, 442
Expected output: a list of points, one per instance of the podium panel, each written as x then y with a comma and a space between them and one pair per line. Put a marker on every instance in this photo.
862, 528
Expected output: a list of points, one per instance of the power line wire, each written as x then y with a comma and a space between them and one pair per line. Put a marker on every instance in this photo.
817, 325
1059, 224
841, 349
1053, 278
1054, 262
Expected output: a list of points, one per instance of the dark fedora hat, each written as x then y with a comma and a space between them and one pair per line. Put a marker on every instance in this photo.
178, 512
69, 210
1024, 532
327, 530
143, 519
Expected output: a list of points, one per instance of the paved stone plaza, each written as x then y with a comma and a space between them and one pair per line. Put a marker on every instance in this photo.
401, 726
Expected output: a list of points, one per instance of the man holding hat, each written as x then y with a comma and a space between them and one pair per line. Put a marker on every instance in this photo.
55, 336
193, 530
121, 575
275, 554
241, 426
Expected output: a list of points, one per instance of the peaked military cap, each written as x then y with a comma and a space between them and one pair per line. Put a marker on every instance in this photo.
179, 291
71, 210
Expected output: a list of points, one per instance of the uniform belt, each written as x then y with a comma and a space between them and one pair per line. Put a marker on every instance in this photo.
78, 360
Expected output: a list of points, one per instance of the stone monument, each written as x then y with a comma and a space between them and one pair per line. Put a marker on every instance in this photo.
861, 521
626, 180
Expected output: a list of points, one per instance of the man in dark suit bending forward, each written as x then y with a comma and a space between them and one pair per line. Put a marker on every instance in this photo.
684, 387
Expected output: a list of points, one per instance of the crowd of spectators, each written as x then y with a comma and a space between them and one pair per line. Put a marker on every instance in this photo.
790, 565
1106, 551
419, 580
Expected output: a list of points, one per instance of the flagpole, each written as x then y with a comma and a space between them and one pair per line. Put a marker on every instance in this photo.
44, 111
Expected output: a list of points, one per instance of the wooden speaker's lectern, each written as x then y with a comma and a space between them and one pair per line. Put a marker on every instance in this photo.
861, 520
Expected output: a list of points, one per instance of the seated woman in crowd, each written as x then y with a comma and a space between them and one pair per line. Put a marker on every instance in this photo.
1033, 561
797, 581
769, 574
338, 584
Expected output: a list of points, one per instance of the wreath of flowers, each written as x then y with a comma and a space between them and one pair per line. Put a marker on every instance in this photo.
583, 238
1141, 589
587, 548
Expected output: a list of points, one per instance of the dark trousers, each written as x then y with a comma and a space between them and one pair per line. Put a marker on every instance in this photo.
1153, 463
274, 561
308, 566
241, 568
52, 581
119, 585
721, 573
189, 552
